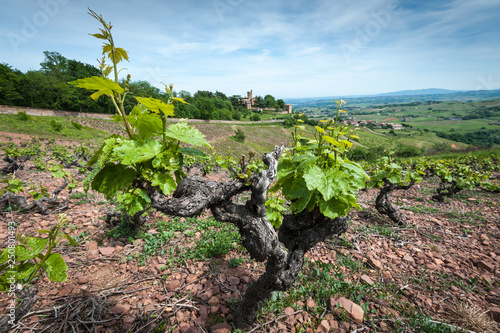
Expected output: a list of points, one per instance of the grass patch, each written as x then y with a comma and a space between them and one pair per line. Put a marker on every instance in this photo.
202, 239
380, 230
421, 209
216, 243
51, 127
471, 218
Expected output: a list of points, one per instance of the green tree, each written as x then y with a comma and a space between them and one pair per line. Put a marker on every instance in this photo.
239, 135
184, 94
220, 95
255, 117
280, 103
79, 70
259, 102
236, 101
203, 93
10, 81
269, 101
206, 108
55, 65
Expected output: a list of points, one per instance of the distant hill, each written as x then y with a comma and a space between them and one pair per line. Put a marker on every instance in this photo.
429, 91
398, 97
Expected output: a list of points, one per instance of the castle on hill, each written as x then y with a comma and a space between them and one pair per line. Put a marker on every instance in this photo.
249, 103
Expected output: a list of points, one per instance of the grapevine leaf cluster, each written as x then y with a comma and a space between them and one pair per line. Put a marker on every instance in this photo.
453, 175
26, 261
385, 170
316, 172
153, 151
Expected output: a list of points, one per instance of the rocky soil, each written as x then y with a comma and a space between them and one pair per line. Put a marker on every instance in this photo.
447, 258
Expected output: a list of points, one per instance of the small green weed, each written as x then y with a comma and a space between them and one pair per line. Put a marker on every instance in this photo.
76, 125
235, 262
84, 198
421, 209
215, 243
123, 230
78, 195
156, 243
471, 218
205, 224
56, 126
23, 116
174, 224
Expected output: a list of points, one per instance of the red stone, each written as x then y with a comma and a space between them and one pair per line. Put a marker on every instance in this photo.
220, 328
106, 251
310, 304
353, 310
366, 279
120, 308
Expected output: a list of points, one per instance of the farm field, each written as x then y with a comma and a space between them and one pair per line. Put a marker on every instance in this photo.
384, 138
442, 116
261, 137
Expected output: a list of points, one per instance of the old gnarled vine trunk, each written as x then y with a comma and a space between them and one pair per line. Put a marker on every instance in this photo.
284, 251
384, 205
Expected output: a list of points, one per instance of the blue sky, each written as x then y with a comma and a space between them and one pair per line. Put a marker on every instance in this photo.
286, 48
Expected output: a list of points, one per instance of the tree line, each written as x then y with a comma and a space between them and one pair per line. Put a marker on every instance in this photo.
482, 138
49, 88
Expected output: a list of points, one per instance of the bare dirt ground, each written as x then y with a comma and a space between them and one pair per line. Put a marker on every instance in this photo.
448, 255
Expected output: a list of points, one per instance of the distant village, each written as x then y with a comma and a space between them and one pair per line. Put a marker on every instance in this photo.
374, 123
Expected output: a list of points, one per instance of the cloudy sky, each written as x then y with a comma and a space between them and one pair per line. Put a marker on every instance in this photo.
286, 48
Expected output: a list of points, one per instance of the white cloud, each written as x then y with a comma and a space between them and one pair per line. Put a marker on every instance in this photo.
285, 48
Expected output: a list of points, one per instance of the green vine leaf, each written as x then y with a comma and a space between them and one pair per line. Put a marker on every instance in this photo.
103, 35
295, 188
36, 245
120, 54
130, 152
194, 152
147, 123
22, 253
316, 179
187, 134
332, 141
104, 152
104, 86
165, 181
133, 201
90, 178
334, 207
156, 105
304, 201
24, 270
357, 170
113, 178
56, 268
70, 240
